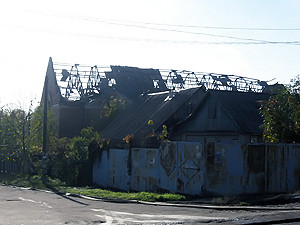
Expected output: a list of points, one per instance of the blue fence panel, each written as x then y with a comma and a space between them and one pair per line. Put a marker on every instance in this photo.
191, 168
145, 169
294, 169
168, 166
255, 169
101, 169
224, 168
119, 170
199, 169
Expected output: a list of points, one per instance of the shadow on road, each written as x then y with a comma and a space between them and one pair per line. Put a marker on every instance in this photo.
63, 195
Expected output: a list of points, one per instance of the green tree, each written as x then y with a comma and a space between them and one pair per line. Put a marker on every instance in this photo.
21, 140
21, 137
13, 134
68, 155
282, 115
34, 138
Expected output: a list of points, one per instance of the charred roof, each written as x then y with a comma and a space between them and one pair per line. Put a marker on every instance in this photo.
157, 107
82, 81
133, 81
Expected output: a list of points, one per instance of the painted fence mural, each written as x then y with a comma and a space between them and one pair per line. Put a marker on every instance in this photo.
201, 169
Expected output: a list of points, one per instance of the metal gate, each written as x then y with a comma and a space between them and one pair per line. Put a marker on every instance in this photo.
182, 167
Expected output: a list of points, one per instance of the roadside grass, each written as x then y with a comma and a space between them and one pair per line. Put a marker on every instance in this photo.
140, 196
28, 181
59, 186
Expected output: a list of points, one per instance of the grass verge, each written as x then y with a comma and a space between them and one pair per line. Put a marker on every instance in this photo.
141, 196
57, 185
30, 181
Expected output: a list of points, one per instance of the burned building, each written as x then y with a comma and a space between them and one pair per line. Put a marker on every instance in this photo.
211, 122
119, 101
91, 97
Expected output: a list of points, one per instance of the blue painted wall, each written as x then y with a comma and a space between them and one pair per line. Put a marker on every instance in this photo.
223, 168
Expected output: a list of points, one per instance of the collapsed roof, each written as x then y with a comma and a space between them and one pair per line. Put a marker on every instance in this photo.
163, 96
76, 82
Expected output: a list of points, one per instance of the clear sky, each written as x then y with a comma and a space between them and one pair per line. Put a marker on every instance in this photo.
253, 38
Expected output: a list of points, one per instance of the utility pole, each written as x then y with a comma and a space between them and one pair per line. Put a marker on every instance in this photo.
45, 100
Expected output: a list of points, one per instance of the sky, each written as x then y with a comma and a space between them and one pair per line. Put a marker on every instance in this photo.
252, 38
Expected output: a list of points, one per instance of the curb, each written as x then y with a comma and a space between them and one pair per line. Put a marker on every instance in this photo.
183, 205
216, 207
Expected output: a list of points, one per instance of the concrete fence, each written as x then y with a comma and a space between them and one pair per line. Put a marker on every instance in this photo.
201, 169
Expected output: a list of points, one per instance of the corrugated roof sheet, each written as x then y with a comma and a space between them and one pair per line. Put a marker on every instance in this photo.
157, 107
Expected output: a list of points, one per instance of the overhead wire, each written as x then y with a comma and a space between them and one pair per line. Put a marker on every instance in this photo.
189, 41
143, 25
163, 29
167, 41
250, 40
197, 26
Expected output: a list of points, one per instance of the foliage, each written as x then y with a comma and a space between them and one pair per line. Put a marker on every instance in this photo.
113, 106
29, 181
14, 129
66, 155
34, 139
128, 138
295, 85
150, 122
36, 128
282, 115
21, 141
164, 132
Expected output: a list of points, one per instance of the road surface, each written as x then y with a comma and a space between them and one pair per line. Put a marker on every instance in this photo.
29, 207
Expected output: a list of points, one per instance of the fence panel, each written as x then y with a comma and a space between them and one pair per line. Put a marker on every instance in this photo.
276, 168
145, 169
198, 169
101, 169
168, 166
191, 168
255, 180
118, 169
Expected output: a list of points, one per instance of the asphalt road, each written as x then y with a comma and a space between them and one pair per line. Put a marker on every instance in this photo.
23, 206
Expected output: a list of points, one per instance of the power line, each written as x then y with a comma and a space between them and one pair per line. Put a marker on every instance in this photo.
241, 41
201, 27
168, 24
162, 29
168, 41
144, 25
